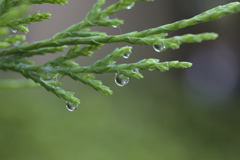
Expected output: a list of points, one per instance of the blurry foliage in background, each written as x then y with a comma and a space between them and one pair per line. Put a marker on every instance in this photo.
149, 119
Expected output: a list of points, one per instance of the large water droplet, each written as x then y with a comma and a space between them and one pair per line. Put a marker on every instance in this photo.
114, 26
127, 55
70, 107
13, 30
121, 80
158, 48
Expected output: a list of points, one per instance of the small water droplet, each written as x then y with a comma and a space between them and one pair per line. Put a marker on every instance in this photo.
90, 75
121, 80
129, 7
114, 26
151, 69
127, 55
135, 70
70, 107
158, 48
14, 31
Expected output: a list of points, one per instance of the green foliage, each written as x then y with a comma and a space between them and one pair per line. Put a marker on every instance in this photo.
14, 52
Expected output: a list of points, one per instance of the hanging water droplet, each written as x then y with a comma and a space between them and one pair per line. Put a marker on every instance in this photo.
135, 70
127, 55
121, 80
129, 7
114, 26
70, 107
158, 48
14, 30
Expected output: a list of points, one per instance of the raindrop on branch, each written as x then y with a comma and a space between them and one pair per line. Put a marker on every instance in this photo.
121, 80
135, 70
14, 30
127, 55
158, 48
70, 107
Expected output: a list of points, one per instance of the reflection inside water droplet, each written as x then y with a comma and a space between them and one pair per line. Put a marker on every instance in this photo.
127, 55
114, 26
158, 48
70, 107
121, 80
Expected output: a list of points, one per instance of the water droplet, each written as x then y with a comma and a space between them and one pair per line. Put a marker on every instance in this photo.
111, 63
114, 26
70, 107
121, 80
14, 31
15, 44
129, 7
135, 70
127, 55
151, 69
90, 75
158, 48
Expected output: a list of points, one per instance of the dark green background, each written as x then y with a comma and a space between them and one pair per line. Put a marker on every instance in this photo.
161, 117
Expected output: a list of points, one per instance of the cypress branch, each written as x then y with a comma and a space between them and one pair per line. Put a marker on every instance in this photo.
14, 51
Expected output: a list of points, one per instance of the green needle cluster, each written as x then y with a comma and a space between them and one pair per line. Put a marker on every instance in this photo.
14, 52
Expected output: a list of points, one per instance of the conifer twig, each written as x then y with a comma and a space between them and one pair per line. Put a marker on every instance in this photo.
14, 52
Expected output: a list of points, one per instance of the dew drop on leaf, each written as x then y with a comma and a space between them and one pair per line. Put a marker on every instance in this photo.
121, 80
70, 107
127, 55
158, 48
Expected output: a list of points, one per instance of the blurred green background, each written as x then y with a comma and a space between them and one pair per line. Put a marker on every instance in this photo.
177, 115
